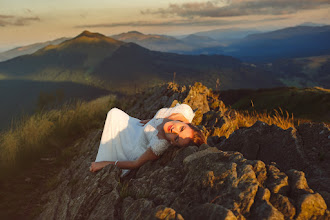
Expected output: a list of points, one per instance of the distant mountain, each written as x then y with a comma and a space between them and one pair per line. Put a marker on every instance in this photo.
141, 63
72, 58
200, 41
311, 24
93, 58
289, 32
292, 42
145, 67
29, 49
153, 42
227, 35
191, 44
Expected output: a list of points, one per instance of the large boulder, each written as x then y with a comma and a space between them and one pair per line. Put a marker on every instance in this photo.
306, 148
314, 140
268, 143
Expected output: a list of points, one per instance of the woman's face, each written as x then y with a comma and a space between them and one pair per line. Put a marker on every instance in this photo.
178, 133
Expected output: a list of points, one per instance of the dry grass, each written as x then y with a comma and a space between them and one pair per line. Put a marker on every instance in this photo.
237, 119
321, 89
52, 129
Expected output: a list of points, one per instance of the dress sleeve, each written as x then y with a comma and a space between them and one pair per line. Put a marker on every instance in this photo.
158, 146
184, 109
161, 113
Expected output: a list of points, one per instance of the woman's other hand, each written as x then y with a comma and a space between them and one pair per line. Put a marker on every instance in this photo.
178, 117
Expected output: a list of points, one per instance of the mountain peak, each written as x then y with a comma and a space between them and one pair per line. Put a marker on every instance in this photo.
86, 32
89, 37
90, 34
135, 32
90, 41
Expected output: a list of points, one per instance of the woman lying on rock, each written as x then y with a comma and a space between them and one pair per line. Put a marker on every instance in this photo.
128, 142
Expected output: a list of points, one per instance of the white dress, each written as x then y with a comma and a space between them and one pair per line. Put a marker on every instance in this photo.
125, 138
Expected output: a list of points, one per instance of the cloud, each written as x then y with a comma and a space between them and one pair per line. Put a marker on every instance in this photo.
10, 20
231, 8
185, 22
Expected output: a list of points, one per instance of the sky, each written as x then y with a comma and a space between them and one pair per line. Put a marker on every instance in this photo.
24, 22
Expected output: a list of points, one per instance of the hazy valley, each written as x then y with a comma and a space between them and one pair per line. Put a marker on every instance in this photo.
21, 98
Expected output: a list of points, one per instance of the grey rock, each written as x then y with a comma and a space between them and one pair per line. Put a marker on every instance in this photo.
311, 206
263, 209
284, 205
277, 181
212, 212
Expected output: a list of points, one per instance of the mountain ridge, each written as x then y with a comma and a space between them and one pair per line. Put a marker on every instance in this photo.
292, 42
156, 42
103, 61
28, 49
290, 32
80, 53
250, 45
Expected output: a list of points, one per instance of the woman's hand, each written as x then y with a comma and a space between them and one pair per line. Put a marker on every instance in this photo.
144, 121
96, 166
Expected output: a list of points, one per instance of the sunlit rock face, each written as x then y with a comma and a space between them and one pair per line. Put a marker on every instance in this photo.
193, 183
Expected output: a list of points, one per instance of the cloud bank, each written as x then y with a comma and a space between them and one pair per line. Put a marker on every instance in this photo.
232, 8
187, 22
10, 20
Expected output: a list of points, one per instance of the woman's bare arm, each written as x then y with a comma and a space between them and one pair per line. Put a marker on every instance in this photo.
145, 157
178, 117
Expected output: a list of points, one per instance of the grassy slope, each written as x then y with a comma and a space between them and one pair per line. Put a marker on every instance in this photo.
32, 153
22, 98
308, 103
303, 72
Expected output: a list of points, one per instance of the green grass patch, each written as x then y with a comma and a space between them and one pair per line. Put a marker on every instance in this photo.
308, 104
50, 131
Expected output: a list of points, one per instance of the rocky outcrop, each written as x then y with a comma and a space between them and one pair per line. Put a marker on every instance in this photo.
196, 183
197, 99
209, 182
146, 105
